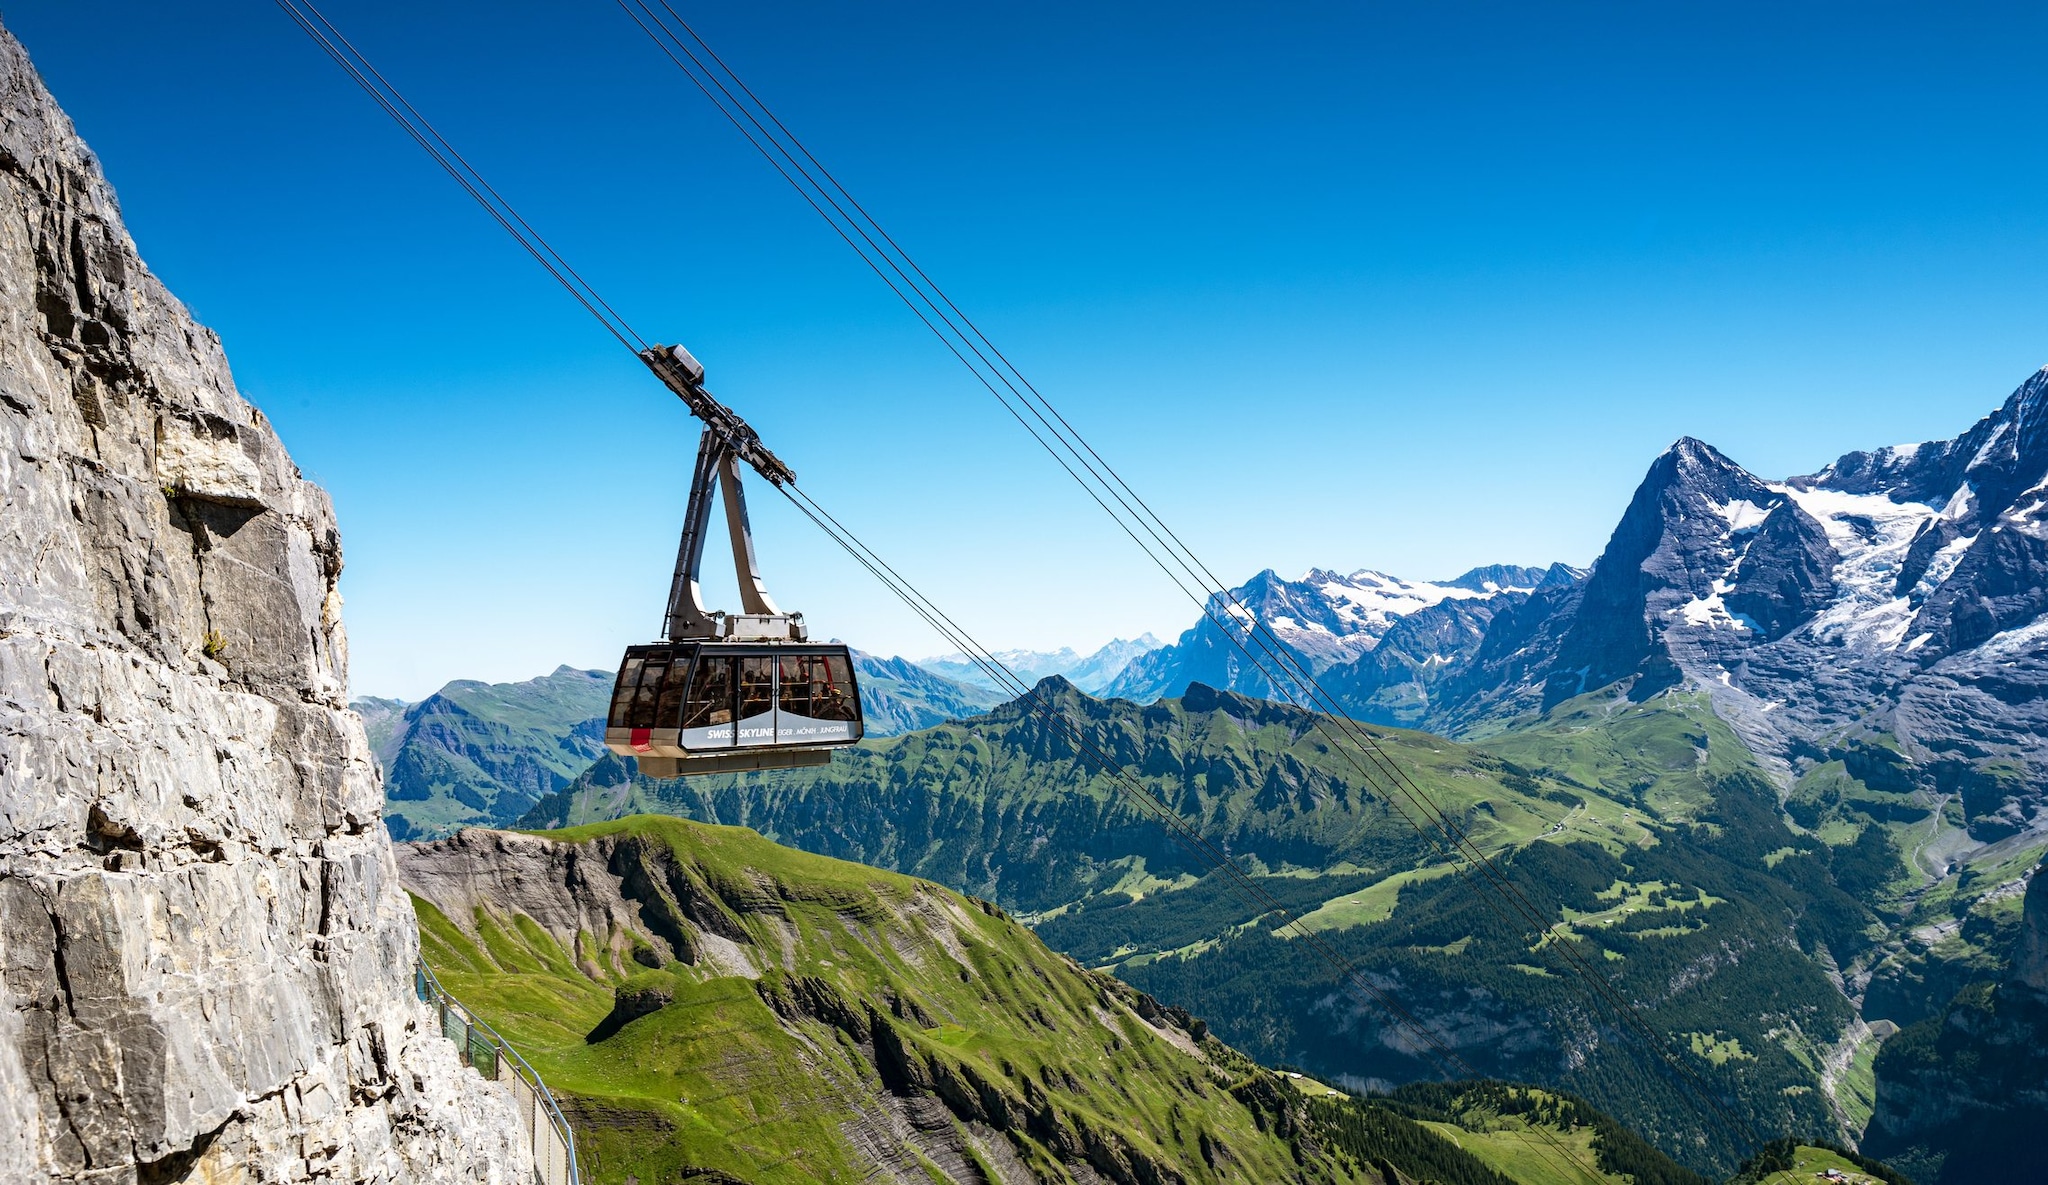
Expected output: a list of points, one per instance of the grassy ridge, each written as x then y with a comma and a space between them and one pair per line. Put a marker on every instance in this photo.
828, 1001
1008, 807
1644, 833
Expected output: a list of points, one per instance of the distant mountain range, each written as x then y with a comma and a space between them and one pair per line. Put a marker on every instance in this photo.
1351, 627
1090, 673
484, 753
1882, 619
1004, 806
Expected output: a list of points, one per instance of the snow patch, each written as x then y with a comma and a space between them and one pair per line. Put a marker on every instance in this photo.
1370, 601
1744, 515
1870, 534
1710, 612
1942, 566
2026, 639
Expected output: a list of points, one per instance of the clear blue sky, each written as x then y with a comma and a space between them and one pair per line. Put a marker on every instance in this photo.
1404, 286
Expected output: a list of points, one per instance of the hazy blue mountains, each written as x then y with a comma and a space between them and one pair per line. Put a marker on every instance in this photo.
899, 696
1091, 672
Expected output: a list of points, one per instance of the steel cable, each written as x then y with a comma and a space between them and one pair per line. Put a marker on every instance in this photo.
1219, 603
458, 167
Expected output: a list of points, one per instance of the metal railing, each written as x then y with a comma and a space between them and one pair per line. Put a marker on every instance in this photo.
482, 1049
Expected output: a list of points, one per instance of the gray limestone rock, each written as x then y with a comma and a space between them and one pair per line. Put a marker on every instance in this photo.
205, 953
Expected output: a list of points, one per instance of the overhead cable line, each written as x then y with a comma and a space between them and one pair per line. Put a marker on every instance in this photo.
1448, 1062
316, 25
1282, 669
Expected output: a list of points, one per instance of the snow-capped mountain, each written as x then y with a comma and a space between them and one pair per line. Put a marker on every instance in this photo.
1888, 609
1101, 668
1091, 673
1326, 619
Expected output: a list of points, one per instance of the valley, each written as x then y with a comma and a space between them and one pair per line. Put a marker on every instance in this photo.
708, 1005
1736, 804
1715, 859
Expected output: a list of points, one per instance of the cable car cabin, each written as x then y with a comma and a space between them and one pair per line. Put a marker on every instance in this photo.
714, 707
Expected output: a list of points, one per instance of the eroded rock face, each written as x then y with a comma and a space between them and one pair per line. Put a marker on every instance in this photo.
205, 955
2030, 961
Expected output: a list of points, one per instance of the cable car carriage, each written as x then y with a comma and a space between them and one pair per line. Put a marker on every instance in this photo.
727, 691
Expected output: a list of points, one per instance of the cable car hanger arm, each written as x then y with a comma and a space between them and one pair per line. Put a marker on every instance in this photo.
759, 617
682, 373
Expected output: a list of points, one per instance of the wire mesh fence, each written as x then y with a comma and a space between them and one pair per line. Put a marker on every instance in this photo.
482, 1049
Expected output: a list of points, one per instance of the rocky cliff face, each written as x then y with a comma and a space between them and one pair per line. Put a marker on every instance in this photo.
2030, 961
205, 956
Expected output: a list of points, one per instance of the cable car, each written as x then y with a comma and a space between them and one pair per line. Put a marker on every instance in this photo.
715, 707
727, 691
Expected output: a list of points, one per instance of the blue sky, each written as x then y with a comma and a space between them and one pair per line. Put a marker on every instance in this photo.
1411, 287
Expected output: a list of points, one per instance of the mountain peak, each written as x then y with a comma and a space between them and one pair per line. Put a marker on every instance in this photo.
1692, 452
2028, 409
1494, 578
1693, 464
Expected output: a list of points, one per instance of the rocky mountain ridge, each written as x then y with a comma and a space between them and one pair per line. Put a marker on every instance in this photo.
1887, 612
205, 959
1329, 621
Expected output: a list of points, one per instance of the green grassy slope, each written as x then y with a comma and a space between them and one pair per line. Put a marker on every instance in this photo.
482, 753
807, 1019
1719, 924
1789, 1162
1487, 1133
1644, 833
1007, 807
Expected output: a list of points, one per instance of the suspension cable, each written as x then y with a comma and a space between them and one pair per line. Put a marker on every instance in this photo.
316, 25
1449, 1063
1282, 668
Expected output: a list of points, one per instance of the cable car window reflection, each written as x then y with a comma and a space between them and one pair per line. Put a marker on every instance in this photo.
832, 696
644, 696
797, 699
709, 700
670, 707
795, 684
622, 695
757, 686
